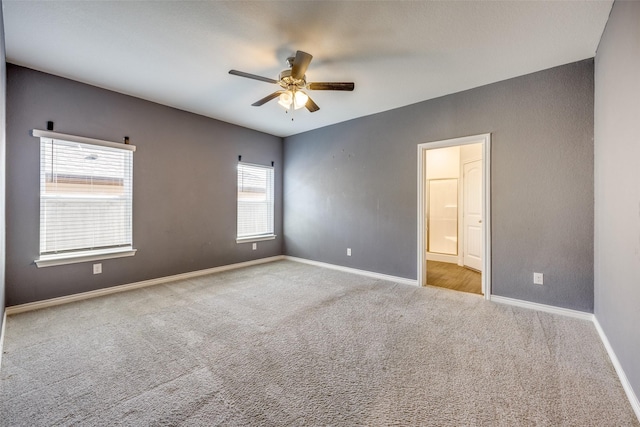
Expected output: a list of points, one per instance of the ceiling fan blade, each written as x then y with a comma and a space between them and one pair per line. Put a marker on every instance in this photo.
311, 106
331, 86
300, 64
252, 76
267, 98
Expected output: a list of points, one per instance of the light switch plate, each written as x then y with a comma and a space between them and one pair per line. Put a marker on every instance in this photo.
538, 278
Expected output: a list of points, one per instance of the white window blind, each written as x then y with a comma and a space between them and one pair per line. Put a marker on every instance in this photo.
86, 197
255, 201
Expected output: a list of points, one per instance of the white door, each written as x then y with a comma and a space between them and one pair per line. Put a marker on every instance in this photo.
472, 218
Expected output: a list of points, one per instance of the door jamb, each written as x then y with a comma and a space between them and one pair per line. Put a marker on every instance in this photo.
485, 140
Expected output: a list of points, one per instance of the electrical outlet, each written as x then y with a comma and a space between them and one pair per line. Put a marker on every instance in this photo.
348, 251
538, 278
97, 268
254, 246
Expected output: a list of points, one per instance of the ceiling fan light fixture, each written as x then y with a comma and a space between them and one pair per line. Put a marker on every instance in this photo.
286, 98
299, 99
291, 82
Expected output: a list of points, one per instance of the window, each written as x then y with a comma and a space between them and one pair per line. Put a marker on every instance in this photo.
255, 202
85, 199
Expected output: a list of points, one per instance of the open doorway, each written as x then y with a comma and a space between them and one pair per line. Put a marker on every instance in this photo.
453, 214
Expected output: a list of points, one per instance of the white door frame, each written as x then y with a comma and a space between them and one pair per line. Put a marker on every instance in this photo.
485, 140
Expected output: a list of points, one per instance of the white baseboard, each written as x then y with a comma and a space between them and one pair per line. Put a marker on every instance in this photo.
543, 307
626, 385
452, 259
4, 327
131, 286
375, 275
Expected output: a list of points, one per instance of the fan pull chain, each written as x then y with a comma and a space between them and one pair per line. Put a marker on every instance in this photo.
287, 112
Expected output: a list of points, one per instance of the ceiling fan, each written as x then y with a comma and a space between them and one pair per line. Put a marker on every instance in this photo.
293, 83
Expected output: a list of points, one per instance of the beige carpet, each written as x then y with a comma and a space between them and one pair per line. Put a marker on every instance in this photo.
287, 344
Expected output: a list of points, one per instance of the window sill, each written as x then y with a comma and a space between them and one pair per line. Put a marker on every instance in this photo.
63, 259
255, 238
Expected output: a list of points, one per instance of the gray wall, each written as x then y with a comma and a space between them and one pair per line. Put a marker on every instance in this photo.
617, 186
184, 184
3, 103
354, 184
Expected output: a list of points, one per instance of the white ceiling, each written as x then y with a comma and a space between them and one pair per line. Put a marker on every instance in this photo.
397, 53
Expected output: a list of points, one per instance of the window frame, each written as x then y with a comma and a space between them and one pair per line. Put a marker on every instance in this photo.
261, 236
77, 256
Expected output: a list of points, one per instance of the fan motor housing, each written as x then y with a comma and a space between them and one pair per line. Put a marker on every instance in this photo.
286, 81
